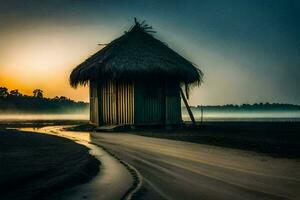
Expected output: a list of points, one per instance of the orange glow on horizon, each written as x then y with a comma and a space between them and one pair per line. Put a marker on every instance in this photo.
43, 59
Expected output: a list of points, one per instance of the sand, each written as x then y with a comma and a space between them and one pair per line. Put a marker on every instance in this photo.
277, 139
36, 166
173, 169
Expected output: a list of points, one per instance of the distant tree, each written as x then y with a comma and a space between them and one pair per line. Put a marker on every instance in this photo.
15, 93
38, 93
63, 98
56, 98
4, 92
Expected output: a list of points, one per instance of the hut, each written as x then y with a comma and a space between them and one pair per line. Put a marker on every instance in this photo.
136, 79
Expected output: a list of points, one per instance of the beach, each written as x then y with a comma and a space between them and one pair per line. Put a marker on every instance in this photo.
173, 169
37, 166
243, 158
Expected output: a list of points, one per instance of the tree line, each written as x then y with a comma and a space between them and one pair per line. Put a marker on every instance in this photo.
14, 101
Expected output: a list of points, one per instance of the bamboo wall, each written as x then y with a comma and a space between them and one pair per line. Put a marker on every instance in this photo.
173, 103
125, 103
117, 102
162, 107
94, 111
140, 103
148, 109
173, 110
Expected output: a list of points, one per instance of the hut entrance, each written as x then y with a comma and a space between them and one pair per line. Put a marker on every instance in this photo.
150, 103
117, 102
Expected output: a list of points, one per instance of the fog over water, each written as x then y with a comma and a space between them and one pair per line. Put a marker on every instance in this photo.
4, 117
243, 115
207, 116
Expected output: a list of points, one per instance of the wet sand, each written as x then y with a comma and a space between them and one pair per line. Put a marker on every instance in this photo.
36, 166
113, 182
183, 170
277, 139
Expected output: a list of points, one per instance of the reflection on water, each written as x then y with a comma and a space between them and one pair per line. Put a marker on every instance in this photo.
57, 130
244, 115
44, 117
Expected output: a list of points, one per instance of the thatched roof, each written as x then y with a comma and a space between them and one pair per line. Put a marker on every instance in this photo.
136, 55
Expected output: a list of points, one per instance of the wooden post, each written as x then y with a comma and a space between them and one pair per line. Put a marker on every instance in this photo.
201, 114
187, 107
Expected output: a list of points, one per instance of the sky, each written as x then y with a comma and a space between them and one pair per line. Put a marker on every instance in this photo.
249, 51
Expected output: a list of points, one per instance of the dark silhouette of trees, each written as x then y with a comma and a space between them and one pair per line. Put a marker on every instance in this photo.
14, 101
252, 107
38, 93
15, 93
63, 98
4, 92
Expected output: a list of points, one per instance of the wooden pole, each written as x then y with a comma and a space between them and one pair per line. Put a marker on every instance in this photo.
201, 114
188, 107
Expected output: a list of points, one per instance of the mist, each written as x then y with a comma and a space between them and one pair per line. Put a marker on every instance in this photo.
262, 115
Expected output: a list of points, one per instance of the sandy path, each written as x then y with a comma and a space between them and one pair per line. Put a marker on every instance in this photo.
181, 170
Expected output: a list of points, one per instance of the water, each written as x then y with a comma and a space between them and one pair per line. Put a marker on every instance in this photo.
243, 115
207, 116
16, 117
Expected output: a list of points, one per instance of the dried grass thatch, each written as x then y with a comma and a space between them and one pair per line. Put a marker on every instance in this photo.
136, 55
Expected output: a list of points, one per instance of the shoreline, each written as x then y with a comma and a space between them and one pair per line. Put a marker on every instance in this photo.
276, 139
136, 176
113, 170
38, 166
